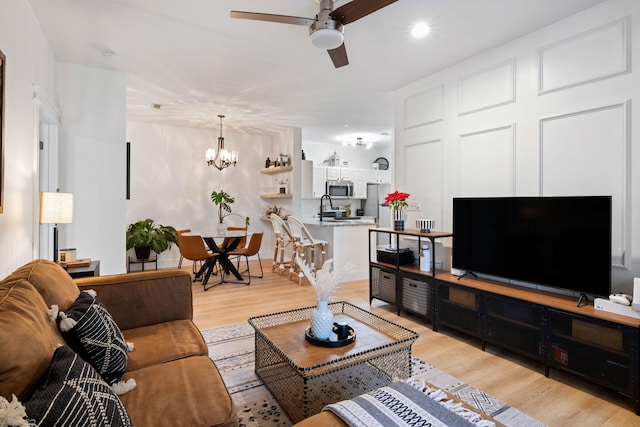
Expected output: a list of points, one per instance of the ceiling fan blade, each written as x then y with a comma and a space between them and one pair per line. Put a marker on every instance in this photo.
357, 9
282, 19
339, 56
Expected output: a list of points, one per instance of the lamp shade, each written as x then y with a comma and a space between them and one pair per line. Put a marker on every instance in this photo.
56, 208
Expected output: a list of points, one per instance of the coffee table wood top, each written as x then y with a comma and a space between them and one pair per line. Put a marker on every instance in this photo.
290, 339
375, 336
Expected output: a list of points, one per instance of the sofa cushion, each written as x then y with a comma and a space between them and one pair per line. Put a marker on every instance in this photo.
27, 338
188, 391
73, 394
164, 342
95, 336
52, 281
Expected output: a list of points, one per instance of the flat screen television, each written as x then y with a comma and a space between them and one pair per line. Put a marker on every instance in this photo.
562, 242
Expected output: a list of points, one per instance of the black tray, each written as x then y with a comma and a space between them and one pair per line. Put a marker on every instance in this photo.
328, 343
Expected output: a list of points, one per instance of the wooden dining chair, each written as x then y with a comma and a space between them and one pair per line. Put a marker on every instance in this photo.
252, 249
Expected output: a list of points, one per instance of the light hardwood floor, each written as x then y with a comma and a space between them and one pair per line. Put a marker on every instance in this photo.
560, 400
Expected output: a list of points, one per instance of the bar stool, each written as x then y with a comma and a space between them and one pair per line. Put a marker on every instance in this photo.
283, 240
304, 243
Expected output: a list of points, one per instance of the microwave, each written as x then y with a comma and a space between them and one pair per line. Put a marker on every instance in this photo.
340, 188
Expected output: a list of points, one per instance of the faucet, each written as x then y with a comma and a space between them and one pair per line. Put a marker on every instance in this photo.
330, 203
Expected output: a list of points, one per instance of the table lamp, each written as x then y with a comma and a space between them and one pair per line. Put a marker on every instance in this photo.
56, 208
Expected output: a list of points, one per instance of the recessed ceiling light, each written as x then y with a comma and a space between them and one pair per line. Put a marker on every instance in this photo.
420, 30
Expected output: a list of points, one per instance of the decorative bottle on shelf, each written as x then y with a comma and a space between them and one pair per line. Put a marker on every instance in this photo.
267, 163
425, 259
303, 156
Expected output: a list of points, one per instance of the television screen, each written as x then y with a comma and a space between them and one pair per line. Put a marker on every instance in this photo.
564, 242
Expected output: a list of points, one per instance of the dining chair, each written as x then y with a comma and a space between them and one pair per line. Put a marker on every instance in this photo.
243, 242
252, 249
304, 243
192, 247
283, 239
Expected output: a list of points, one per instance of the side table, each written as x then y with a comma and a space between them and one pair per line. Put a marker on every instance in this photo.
143, 262
90, 270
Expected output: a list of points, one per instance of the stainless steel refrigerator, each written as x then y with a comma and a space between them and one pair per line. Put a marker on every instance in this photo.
373, 205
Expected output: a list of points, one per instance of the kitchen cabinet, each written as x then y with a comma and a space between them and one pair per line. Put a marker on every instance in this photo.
359, 178
377, 176
313, 180
333, 173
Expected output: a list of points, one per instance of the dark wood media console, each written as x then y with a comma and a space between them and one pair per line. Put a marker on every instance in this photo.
599, 346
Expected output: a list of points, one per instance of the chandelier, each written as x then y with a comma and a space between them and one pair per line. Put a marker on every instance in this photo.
359, 143
221, 158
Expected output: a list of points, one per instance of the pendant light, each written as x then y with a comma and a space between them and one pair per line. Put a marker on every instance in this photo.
221, 158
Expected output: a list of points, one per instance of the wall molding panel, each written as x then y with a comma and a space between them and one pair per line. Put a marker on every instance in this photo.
488, 88
423, 108
485, 162
423, 178
593, 55
589, 153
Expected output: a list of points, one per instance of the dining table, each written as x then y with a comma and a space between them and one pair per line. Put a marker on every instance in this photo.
222, 245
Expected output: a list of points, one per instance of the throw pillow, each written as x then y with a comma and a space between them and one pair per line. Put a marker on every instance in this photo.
90, 330
73, 394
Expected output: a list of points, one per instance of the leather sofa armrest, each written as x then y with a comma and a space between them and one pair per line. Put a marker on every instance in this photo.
143, 298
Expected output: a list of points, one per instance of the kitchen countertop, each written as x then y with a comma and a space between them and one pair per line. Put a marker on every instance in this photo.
341, 222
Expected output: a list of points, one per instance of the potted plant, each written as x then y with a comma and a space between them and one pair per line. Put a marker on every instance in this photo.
224, 201
146, 235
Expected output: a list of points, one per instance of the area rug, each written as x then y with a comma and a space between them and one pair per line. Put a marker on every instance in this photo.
232, 349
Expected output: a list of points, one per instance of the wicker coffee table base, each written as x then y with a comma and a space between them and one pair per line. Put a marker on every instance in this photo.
303, 390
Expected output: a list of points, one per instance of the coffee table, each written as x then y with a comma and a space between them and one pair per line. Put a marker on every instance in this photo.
304, 377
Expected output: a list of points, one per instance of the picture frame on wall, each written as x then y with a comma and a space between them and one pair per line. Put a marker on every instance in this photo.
2, 141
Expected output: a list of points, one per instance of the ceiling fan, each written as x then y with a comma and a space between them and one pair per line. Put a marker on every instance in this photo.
326, 29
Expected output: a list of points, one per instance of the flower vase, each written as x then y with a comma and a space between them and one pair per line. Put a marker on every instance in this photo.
398, 219
322, 321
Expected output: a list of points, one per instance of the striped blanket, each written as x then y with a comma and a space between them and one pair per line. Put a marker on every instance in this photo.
415, 403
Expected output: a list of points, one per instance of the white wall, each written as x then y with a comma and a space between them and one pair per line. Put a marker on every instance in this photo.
547, 114
172, 184
92, 157
29, 63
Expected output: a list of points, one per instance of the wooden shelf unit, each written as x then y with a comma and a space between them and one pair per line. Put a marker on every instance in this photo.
276, 169
276, 196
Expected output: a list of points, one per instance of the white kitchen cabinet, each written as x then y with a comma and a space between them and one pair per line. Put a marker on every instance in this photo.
319, 181
377, 176
313, 180
333, 173
359, 178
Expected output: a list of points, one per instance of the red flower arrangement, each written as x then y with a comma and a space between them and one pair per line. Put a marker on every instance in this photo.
396, 200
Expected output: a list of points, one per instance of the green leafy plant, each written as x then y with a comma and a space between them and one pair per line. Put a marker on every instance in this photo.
146, 233
224, 201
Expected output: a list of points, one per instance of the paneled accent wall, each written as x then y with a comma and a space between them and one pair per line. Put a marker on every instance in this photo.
423, 108
592, 55
485, 162
601, 138
547, 114
425, 185
488, 88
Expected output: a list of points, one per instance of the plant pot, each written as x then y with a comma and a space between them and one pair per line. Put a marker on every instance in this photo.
221, 228
142, 252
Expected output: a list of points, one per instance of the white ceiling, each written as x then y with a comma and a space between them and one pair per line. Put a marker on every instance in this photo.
197, 62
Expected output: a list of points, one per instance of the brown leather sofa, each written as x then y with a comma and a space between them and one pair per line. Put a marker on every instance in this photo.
177, 383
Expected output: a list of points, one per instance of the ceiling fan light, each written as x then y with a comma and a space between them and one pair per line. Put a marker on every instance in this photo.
326, 38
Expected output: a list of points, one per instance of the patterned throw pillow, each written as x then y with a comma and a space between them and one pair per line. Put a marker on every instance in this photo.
74, 394
90, 330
